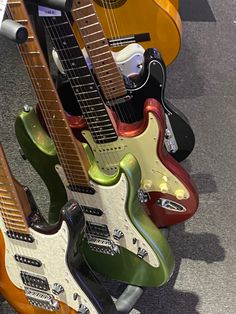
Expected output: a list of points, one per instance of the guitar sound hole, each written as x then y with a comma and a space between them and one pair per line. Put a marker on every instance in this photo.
110, 4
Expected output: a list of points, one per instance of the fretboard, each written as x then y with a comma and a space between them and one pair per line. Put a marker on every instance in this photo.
80, 78
70, 152
97, 46
10, 205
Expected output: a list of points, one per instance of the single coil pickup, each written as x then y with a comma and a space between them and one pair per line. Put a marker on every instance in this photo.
28, 261
35, 281
92, 211
103, 246
20, 236
42, 300
81, 189
97, 230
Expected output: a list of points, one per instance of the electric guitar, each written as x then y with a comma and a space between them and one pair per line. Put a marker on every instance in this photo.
121, 241
125, 95
155, 23
163, 181
40, 272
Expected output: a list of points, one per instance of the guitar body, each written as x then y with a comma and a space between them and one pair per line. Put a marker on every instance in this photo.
53, 247
156, 23
160, 172
121, 262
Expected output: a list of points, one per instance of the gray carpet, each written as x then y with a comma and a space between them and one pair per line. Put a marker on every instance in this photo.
202, 83
197, 11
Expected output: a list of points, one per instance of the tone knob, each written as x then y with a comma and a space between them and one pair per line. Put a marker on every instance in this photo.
117, 235
179, 194
164, 187
142, 253
147, 184
57, 289
83, 309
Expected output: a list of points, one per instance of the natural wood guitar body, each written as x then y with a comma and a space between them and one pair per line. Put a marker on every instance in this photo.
159, 18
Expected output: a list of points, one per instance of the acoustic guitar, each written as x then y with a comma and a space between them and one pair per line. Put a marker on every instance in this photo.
153, 23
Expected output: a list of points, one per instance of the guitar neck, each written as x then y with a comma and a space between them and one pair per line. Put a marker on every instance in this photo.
70, 152
11, 207
80, 78
105, 68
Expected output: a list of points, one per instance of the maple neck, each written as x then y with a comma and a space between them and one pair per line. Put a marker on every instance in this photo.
11, 208
80, 78
70, 152
105, 68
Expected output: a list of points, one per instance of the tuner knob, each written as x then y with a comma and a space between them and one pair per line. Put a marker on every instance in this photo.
117, 235
83, 309
57, 289
142, 253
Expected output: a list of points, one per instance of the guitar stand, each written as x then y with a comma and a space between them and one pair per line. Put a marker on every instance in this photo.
18, 33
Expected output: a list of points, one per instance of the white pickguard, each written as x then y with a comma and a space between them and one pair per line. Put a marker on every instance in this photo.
129, 60
111, 200
155, 176
51, 250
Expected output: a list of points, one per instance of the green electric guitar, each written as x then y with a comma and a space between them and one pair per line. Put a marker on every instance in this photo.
121, 242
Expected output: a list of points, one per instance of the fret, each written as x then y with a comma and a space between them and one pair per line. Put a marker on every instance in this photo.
12, 214
74, 58
102, 61
35, 66
87, 16
88, 26
95, 33
82, 8
16, 228
100, 54
31, 53
60, 24
67, 48
96, 48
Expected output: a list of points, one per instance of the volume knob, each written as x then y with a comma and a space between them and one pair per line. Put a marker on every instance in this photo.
57, 289
142, 253
117, 235
83, 309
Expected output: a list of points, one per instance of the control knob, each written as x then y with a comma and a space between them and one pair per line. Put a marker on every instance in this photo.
117, 235
142, 253
57, 289
83, 309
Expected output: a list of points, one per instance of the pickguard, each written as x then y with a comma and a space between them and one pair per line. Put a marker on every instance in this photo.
51, 250
112, 201
155, 176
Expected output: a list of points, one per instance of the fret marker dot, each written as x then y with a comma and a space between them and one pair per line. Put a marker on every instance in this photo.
64, 43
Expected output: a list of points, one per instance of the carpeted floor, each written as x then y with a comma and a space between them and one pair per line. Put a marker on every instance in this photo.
202, 83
